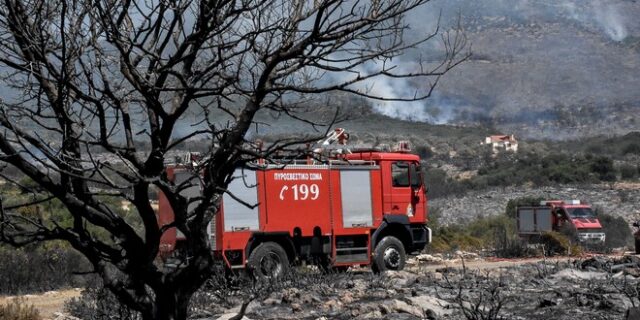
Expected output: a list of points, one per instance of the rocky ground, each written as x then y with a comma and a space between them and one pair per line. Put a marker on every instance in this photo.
431, 287
593, 288
619, 199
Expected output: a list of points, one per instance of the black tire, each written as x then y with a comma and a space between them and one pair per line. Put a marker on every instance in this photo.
389, 254
268, 261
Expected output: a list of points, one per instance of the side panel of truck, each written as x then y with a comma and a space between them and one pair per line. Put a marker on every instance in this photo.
297, 199
534, 220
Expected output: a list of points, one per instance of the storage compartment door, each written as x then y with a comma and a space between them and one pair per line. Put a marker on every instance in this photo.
355, 186
237, 216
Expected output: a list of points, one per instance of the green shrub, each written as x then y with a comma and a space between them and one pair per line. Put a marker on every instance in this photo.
617, 231
40, 268
628, 172
495, 233
557, 243
631, 148
424, 152
18, 310
97, 303
603, 166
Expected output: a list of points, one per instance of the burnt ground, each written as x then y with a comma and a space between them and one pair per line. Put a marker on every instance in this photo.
592, 288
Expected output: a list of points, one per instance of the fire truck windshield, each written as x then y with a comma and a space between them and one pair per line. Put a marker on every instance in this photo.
581, 213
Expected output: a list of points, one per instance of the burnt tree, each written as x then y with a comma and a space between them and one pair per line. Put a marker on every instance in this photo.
99, 93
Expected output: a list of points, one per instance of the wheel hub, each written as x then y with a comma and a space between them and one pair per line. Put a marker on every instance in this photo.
392, 258
270, 265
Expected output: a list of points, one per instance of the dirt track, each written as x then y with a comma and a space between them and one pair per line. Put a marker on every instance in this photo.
47, 303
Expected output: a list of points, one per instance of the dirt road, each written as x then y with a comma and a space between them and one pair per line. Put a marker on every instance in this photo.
47, 303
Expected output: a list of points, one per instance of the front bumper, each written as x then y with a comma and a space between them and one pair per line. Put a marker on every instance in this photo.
591, 237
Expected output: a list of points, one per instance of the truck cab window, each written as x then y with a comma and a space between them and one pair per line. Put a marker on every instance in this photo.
400, 174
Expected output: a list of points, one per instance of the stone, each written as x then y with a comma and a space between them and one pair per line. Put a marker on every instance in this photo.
271, 301
632, 314
572, 274
370, 315
427, 258
400, 279
62, 316
228, 316
290, 294
346, 298
431, 304
400, 306
333, 305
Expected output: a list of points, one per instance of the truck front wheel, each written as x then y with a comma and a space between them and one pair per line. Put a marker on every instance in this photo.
389, 254
268, 261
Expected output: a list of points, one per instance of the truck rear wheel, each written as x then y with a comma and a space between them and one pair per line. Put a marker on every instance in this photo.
268, 261
389, 254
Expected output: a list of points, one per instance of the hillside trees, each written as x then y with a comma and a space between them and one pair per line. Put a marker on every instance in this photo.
85, 79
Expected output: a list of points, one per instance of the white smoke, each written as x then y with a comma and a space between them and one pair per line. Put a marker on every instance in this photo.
396, 92
610, 20
605, 16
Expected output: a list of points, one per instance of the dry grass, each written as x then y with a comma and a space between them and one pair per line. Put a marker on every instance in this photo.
47, 304
18, 309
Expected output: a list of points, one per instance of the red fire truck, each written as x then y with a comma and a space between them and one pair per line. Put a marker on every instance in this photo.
358, 208
556, 215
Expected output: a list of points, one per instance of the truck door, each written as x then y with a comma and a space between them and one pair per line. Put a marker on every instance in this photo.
404, 197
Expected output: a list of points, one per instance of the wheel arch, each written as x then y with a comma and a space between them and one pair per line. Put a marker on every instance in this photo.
397, 226
283, 239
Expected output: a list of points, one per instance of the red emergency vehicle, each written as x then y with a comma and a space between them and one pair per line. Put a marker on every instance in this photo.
361, 208
556, 215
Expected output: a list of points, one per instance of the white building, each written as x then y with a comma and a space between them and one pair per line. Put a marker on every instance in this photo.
502, 142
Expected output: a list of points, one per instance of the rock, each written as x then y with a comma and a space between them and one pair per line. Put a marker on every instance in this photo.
62, 316
571, 274
271, 301
401, 279
467, 255
400, 306
547, 302
333, 305
367, 308
634, 272
370, 315
632, 314
427, 258
228, 316
346, 298
431, 304
290, 295
295, 307
309, 298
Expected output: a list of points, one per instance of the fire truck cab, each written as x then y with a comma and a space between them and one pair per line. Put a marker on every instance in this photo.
363, 208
